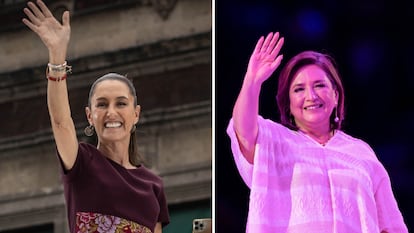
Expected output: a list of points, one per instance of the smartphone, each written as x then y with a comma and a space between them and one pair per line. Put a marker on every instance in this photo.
202, 225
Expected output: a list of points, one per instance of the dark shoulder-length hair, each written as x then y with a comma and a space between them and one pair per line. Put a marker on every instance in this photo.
134, 157
327, 64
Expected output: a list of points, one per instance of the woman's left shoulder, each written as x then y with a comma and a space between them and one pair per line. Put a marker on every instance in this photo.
149, 174
356, 144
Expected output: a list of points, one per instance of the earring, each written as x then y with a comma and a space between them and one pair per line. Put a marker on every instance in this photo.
336, 119
134, 127
89, 130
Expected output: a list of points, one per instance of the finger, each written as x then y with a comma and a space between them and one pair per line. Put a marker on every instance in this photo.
36, 10
34, 20
277, 62
66, 19
278, 46
29, 24
266, 42
44, 8
258, 45
272, 43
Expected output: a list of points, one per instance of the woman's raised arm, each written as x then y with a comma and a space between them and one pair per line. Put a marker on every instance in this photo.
56, 38
263, 62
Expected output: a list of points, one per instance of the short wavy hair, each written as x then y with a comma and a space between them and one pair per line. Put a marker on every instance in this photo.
327, 64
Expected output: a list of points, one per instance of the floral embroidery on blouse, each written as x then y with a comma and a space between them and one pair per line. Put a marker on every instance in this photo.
99, 223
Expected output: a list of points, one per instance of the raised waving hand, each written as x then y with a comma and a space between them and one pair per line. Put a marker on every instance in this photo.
54, 35
265, 58
263, 62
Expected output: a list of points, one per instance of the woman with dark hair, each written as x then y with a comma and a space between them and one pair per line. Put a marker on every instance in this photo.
106, 187
305, 174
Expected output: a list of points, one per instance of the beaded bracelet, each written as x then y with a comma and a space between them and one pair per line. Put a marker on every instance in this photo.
58, 68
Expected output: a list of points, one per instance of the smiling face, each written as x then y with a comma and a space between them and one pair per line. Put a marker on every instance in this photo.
112, 111
312, 98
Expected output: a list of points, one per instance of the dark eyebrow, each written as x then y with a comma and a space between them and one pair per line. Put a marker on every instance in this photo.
298, 85
101, 99
122, 98
320, 81
117, 98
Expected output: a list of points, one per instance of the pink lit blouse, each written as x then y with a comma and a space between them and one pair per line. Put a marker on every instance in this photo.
297, 185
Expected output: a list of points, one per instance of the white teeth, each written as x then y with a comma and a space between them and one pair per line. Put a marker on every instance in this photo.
313, 107
113, 124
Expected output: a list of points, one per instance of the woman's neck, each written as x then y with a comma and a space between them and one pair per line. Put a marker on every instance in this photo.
117, 152
322, 136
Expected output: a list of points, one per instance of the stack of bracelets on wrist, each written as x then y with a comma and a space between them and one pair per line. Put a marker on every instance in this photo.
58, 69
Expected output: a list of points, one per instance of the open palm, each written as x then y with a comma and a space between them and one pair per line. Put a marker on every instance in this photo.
265, 58
53, 34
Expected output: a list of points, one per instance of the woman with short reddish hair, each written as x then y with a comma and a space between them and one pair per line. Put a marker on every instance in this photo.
305, 174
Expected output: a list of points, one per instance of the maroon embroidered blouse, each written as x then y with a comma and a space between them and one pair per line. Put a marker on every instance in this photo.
103, 196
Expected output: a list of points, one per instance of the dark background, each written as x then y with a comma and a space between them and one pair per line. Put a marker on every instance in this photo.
372, 44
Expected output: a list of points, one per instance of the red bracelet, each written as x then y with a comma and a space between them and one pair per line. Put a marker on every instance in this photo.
57, 79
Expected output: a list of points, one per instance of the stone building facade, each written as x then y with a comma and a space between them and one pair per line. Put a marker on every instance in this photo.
164, 46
